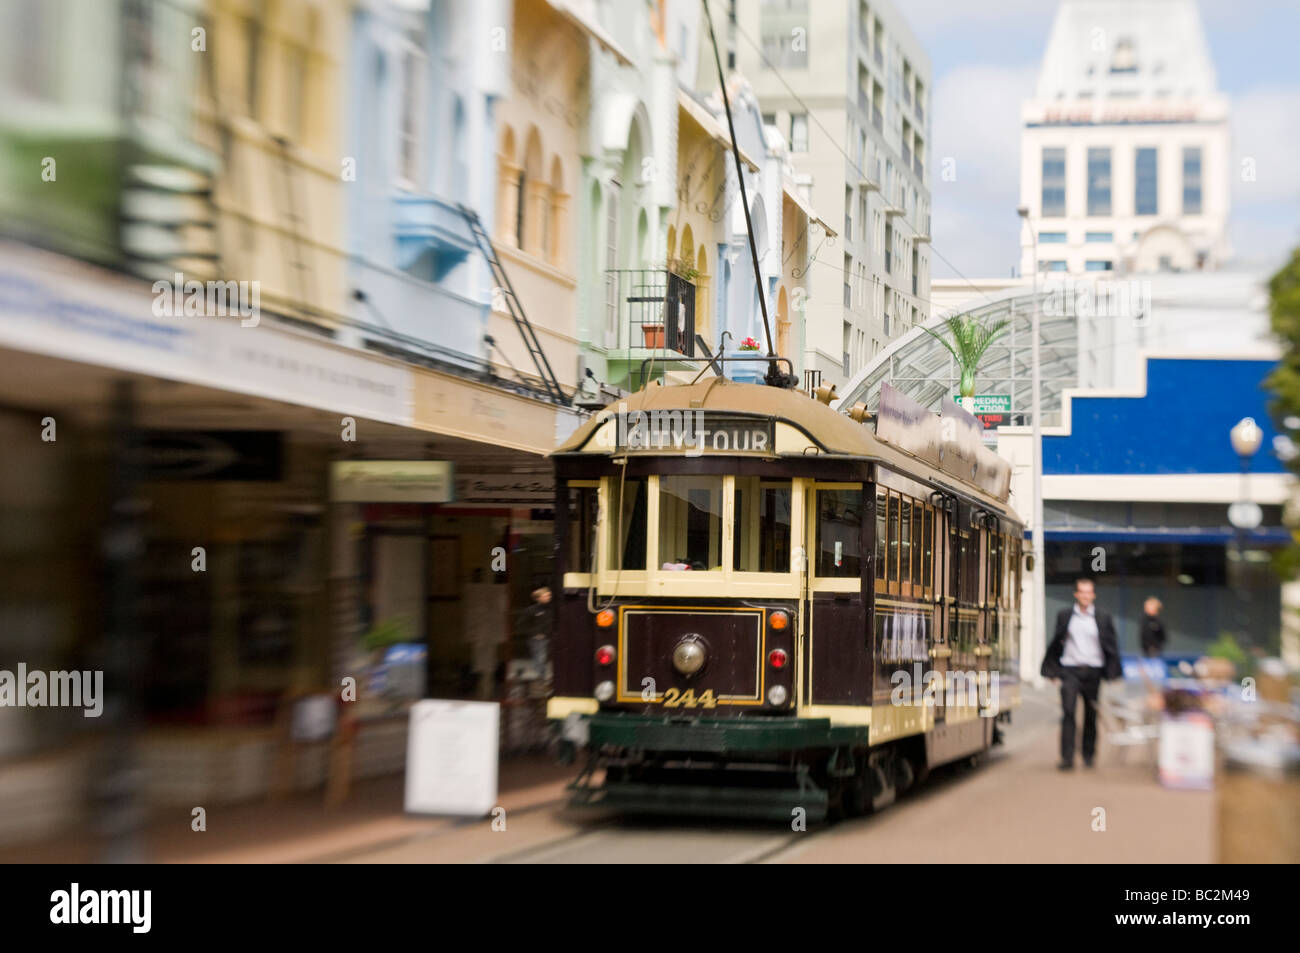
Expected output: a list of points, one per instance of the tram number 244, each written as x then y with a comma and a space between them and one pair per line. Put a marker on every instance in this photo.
674, 698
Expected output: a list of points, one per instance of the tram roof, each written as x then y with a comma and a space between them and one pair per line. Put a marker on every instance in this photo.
838, 434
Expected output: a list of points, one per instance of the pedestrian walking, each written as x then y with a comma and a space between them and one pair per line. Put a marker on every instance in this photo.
1153, 630
1083, 652
536, 627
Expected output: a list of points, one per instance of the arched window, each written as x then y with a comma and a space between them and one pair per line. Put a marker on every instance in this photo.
688, 246
534, 209
558, 244
611, 210
458, 179
702, 295
782, 324
672, 242
642, 235
509, 207
298, 68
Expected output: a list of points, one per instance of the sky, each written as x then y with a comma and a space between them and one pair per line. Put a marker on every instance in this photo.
985, 54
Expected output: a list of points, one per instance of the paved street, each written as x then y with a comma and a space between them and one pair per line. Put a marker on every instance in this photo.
1015, 808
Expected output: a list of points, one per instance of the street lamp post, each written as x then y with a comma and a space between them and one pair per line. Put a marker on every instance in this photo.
1244, 515
1040, 537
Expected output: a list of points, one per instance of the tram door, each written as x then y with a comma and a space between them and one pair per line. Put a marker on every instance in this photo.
835, 656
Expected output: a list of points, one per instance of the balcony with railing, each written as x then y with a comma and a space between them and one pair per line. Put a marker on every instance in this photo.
922, 228
653, 311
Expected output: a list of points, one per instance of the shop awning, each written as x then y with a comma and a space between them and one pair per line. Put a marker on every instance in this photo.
791, 190
710, 124
584, 18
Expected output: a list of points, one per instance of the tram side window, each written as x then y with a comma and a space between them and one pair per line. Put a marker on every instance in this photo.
882, 531
839, 529
1008, 550
762, 533
993, 569
891, 562
1013, 574
583, 508
627, 507
927, 543
690, 523
965, 582
905, 541
918, 546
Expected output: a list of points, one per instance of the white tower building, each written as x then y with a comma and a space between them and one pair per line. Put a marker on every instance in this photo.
1124, 157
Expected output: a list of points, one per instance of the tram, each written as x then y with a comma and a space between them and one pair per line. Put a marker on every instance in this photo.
766, 604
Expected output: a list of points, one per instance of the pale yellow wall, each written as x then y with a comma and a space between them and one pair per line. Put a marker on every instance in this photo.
280, 211
546, 107
700, 208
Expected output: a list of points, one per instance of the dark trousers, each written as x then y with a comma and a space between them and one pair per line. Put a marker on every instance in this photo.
1076, 680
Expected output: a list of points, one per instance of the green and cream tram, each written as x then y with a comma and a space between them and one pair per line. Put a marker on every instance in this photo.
765, 604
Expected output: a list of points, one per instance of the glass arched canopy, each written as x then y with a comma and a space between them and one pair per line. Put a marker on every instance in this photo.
923, 369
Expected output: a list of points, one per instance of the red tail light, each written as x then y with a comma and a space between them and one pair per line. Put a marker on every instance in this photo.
605, 655
777, 658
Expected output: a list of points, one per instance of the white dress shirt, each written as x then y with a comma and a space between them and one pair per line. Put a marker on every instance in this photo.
1083, 646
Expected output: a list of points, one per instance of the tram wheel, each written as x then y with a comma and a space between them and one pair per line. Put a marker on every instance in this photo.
857, 795
883, 791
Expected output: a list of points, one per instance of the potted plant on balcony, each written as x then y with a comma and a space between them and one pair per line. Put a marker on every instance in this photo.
654, 335
749, 344
682, 268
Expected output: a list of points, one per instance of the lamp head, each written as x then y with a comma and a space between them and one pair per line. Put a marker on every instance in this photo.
1246, 437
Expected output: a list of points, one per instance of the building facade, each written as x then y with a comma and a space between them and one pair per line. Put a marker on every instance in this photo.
848, 85
1125, 145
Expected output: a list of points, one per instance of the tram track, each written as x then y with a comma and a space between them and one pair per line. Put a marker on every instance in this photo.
625, 840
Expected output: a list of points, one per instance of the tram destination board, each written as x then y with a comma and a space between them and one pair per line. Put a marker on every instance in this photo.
694, 430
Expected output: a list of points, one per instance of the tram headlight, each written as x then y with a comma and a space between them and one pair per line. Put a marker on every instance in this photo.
689, 655
776, 695
604, 691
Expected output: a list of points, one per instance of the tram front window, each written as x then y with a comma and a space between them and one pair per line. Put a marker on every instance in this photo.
690, 522
762, 534
628, 523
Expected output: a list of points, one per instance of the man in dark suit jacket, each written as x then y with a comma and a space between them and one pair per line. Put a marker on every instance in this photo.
1083, 651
